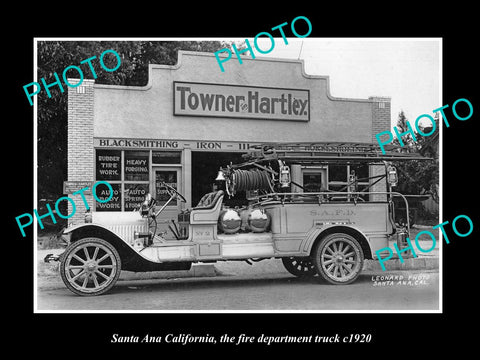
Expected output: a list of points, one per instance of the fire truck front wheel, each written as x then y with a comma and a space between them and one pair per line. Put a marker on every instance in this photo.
338, 258
90, 266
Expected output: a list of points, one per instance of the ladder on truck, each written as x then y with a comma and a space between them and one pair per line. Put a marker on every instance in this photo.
327, 152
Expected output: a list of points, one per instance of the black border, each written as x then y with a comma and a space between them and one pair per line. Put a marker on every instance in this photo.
56, 335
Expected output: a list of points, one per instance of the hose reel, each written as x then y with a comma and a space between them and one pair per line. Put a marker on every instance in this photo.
242, 180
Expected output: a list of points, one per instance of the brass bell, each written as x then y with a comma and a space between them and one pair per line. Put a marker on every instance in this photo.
220, 176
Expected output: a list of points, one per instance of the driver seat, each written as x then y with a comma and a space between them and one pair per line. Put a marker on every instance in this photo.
208, 200
208, 208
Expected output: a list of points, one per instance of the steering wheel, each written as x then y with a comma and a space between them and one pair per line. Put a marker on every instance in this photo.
172, 191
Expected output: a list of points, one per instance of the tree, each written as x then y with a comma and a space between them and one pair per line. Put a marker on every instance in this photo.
409, 145
54, 57
415, 176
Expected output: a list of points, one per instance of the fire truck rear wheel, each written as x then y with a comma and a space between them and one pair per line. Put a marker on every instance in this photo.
338, 258
299, 266
90, 266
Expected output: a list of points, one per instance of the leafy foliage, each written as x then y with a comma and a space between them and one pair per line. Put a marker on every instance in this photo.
415, 176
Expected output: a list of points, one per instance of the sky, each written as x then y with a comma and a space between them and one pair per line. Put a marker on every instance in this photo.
408, 70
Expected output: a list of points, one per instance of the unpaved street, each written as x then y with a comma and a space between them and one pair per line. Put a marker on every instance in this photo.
275, 291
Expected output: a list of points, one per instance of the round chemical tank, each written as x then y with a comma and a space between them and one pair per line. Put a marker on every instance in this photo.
258, 220
229, 221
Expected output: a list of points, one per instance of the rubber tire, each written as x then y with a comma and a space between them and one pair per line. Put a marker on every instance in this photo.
287, 263
72, 248
318, 249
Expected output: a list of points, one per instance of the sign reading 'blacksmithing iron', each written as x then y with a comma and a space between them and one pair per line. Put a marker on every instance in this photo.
238, 101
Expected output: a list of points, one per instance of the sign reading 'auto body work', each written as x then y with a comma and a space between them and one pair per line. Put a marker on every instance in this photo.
237, 101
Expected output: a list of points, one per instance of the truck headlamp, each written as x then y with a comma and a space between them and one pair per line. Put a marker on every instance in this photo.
392, 175
284, 176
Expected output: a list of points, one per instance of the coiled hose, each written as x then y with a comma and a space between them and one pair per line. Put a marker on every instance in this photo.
255, 179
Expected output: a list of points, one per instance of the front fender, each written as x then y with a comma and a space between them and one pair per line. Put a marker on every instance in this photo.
68, 230
73, 228
80, 231
131, 259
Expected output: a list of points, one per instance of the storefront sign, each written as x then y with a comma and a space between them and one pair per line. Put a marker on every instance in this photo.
116, 143
113, 193
136, 165
136, 143
161, 193
108, 165
237, 101
327, 148
135, 195
230, 146
69, 187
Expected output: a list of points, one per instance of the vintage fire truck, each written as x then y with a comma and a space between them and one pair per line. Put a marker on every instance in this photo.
326, 234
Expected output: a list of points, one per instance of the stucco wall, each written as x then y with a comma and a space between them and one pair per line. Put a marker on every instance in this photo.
147, 112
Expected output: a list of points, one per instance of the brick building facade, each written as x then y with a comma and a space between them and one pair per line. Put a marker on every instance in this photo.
381, 118
80, 142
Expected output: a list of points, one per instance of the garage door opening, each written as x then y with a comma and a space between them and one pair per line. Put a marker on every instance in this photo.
205, 167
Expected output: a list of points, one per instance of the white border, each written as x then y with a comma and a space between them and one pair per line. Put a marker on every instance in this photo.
35, 180
35, 234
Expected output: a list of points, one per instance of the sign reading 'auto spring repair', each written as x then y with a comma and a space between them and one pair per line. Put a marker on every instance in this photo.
238, 101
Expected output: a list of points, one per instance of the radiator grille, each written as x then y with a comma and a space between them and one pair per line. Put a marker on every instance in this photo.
127, 232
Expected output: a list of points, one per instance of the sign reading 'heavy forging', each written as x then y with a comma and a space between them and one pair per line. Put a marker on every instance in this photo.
238, 101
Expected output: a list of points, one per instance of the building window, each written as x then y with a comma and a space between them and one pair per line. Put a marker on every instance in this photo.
166, 157
170, 178
312, 181
338, 177
136, 165
103, 193
109, 165
134, 195
361, 171
128, 173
